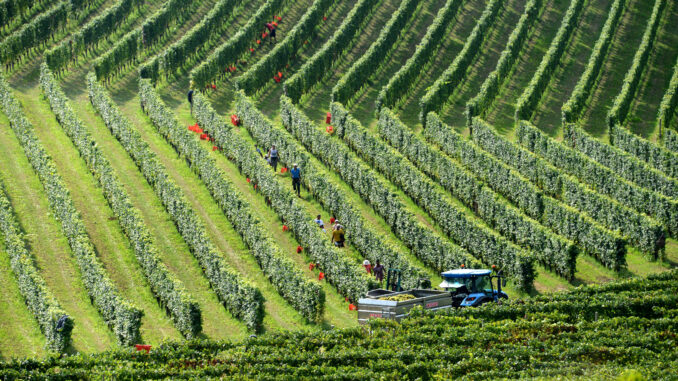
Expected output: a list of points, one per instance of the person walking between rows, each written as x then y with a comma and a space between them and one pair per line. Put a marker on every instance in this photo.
368, 266
271, 31
338, 235
378, 272
296, 179
273, 156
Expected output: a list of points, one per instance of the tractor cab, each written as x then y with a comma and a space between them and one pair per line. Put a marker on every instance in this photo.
472, 287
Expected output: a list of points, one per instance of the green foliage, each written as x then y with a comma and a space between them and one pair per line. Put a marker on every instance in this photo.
316, 67
122, 316
607, 246
335, 199
575, 104
357, 75
587, 333
157, 25
124, 51
436, 95
646, 151
671, 140
622, 163
90, 34
38, 297
530, 97
644, 232
305, 296
340, 270
667, 107
241, 298
177, 54
400, 84
226, 285
492, 84
262, 72
432, 249
169, 290
620, 106
229, 52
599, 177
513, 223
39, 30
468, 232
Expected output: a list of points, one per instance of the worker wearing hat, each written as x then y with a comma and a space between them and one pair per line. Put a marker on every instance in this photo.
296, 179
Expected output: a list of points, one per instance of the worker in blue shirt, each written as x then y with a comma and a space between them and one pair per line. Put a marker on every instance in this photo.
296, 179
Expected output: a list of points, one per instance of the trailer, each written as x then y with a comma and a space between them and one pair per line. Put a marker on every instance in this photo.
461, 288
376, 305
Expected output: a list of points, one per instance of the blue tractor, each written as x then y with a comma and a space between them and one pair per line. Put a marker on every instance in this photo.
473, 287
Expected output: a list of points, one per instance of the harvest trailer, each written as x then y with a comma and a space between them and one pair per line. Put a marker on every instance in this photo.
462, 288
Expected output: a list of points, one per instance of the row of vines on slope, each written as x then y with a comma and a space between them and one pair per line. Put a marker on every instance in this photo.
339, 269
54, 322
301, 294
643, 232
90, 34
512, 222
262, 71
228, 53
436, 96
432, 249
361, 235
122, 316
316, 67
357, 75
169, 290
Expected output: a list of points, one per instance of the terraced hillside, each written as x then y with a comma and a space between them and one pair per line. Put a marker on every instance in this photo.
539, 136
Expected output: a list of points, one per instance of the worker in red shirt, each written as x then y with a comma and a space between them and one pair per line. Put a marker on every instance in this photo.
271, 29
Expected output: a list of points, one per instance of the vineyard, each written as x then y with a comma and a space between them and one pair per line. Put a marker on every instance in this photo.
538, 136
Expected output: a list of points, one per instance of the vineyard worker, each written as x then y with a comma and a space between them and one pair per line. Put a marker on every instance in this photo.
296, 180
320, 223
271, 30
379, 272
190, 99
338, 236
368, 266
273, 155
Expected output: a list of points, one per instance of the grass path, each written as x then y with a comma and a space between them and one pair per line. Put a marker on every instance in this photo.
362, 108
642, 115
452, 44
619, 58
105, 233
482, 64
49, 246
501, 113
175, 253
20, 335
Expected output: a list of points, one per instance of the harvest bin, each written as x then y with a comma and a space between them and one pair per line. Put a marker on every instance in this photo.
371, 307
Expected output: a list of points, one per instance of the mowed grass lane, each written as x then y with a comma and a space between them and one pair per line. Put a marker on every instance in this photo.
483, 64
619, 59
450, 46
501, 113
642, 118
106, 235
49, 246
